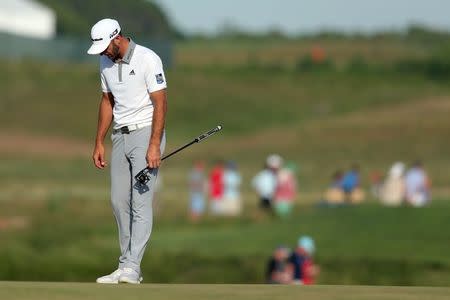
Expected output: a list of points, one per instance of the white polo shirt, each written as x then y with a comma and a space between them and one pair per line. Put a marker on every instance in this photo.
130, 80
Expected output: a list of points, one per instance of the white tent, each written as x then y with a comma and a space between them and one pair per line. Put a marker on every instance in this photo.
27, 18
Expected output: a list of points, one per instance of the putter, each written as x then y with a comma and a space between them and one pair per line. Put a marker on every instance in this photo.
144, 175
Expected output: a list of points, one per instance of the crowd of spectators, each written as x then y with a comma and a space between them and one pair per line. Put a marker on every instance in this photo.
220, 189
217, 192
293, 267
400, 186
276, 186
345, 188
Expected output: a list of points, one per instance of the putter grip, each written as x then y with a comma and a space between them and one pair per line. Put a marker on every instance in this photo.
208, 134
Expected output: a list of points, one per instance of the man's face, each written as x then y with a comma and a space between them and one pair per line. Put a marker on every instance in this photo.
281, 254
112, 51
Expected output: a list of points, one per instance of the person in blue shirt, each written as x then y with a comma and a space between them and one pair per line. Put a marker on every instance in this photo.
231, 194
197, 188
351, 180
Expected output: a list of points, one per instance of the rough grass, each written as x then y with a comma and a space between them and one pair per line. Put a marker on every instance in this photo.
356, 245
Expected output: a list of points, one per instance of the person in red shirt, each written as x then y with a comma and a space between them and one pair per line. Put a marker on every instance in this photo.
286, 190
301, 263
216, 187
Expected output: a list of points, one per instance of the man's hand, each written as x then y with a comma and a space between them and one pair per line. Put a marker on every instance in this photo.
153, 156
105, 115
99, 156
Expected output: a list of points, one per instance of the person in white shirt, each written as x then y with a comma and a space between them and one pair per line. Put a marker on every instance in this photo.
265, 182
134, 100
417, 185
392, 191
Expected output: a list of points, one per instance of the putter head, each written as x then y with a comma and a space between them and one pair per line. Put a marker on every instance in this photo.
143, 176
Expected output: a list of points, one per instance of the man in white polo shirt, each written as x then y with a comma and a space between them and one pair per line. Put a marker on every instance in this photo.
134, 100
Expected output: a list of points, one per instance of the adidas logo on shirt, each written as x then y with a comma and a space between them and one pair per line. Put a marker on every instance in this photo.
132, 72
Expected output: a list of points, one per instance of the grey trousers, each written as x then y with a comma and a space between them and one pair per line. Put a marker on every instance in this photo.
131, 201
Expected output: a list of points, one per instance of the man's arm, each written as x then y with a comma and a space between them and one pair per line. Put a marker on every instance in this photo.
159, 100
105, 116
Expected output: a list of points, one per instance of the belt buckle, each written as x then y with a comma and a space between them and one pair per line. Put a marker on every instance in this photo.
124, 130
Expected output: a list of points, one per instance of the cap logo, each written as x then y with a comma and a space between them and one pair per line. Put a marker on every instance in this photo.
113, 33
96, 40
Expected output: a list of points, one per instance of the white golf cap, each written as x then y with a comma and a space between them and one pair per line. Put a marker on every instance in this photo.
101, 34
274, 161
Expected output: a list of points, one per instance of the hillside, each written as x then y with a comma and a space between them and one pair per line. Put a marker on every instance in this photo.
142, 18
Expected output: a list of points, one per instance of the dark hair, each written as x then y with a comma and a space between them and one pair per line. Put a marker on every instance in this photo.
337, 174
417, 163
355, 167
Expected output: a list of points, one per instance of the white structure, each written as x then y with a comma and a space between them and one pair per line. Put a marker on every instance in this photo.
27, 18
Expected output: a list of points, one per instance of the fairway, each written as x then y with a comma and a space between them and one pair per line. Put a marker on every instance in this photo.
85, 291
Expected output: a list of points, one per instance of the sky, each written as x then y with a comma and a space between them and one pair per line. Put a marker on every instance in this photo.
306, 16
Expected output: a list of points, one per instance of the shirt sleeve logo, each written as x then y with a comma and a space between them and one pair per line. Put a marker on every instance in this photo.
159, 78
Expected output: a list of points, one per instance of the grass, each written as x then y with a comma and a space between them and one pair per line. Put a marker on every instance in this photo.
210, 83
287, 53
320, 121
62, 226
68, 291
210, 251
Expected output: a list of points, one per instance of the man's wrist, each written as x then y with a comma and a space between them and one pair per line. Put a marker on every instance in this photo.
98, 143
153, 146
155, 143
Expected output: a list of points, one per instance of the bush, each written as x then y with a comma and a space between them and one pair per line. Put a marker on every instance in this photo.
436, 68
307, 64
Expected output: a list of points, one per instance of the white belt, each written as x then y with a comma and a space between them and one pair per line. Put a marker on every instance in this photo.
132, 127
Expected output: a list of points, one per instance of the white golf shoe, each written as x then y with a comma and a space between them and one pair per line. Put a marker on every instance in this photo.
112, 278
129, 275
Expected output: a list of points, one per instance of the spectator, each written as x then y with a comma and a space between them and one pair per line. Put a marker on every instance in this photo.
277, 268
286, 190
334, 195
376, 182
417, 185
350, 184
231, 196
197, 184
265, 181
301, 264
216, 188
392, 192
